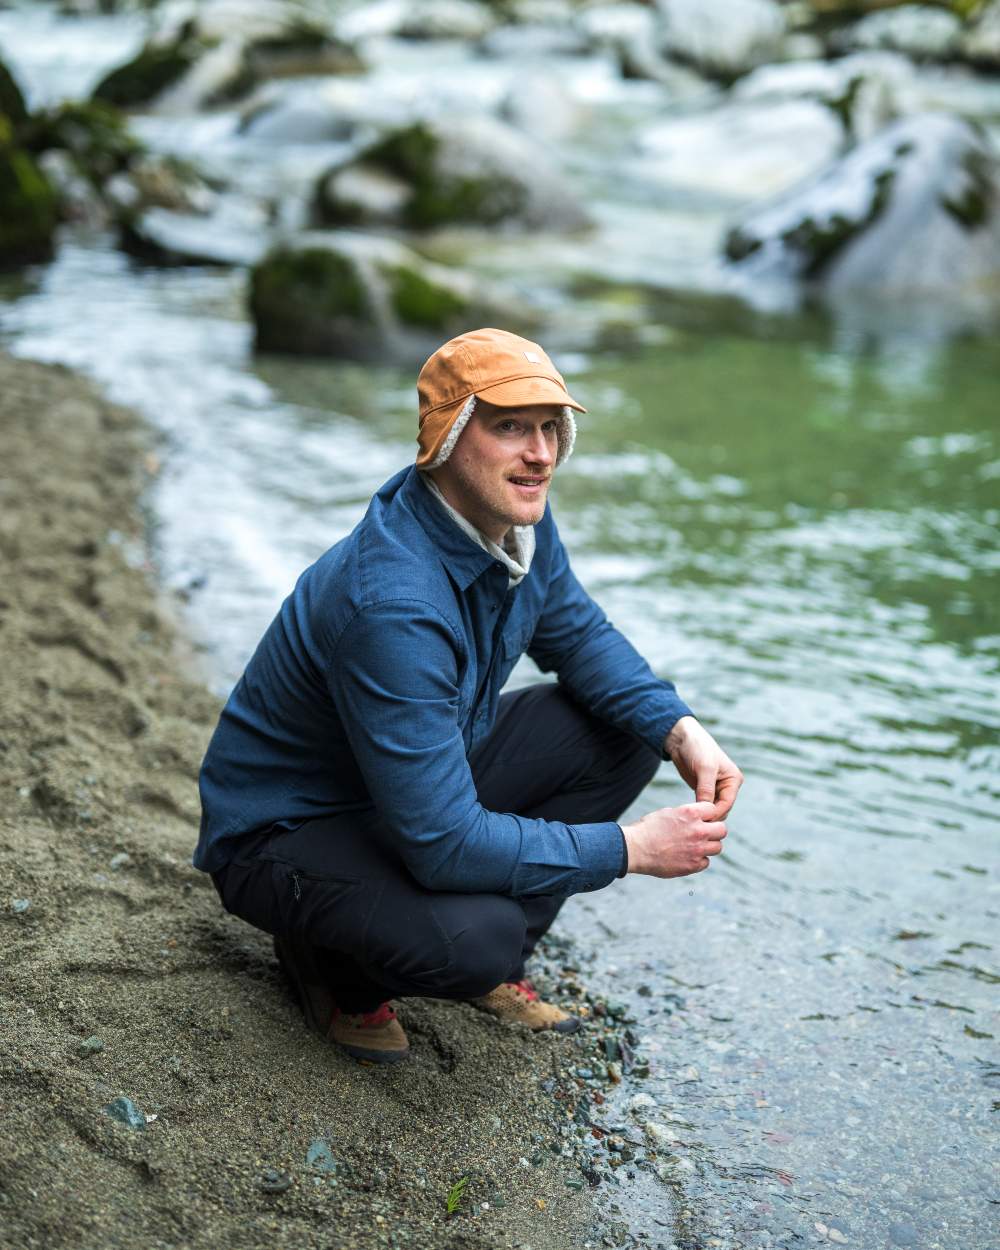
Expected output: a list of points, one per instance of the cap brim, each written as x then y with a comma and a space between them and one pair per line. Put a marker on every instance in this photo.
523, 392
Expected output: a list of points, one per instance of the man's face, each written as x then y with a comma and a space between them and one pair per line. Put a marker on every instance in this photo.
499, 471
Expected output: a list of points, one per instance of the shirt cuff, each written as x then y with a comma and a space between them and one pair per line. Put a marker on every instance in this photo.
601, 850
624, 869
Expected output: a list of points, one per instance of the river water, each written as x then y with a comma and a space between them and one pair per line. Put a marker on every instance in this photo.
796, 521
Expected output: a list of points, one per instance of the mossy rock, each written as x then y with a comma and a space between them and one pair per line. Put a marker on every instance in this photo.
12, 104
150, 72
467, 171
94, 133
307, 301
417, 301
29, 209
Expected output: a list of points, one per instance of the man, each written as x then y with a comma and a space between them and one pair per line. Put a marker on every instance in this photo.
369, 797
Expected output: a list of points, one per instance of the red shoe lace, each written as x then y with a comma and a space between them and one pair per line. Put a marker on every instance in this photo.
525, 988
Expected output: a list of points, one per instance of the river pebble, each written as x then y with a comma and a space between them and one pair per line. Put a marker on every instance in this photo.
903, 1234
90, 1046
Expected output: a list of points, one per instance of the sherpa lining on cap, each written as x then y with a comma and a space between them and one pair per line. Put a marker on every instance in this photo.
565, 434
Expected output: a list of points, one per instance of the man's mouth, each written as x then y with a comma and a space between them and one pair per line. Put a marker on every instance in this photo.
529, 482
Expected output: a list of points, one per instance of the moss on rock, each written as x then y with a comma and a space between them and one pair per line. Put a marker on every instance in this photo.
301, 298
971, 206
12, 104
150, 72
437, 197
94, 133
417, 301
28, 210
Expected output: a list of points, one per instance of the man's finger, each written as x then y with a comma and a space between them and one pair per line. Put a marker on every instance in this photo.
728, 790
705, 786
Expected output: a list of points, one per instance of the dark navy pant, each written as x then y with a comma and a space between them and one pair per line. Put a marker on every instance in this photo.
348, 906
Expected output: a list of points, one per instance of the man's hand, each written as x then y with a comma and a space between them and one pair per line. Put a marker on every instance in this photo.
704, 765
674, 841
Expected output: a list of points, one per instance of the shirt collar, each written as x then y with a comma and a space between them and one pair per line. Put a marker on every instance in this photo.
464, 558
518, 545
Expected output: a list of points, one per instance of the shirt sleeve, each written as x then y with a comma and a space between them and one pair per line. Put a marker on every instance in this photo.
597, 664
394, 679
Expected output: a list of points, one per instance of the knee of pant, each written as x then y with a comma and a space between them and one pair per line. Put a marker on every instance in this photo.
485, 952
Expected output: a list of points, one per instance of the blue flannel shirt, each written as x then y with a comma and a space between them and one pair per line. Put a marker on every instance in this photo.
382, 671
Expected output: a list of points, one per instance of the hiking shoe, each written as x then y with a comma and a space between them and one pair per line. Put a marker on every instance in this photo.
373, 1035
518, 1002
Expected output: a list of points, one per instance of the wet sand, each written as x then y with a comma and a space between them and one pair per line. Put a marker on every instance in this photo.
122, 976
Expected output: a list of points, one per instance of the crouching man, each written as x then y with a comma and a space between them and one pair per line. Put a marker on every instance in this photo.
372, 800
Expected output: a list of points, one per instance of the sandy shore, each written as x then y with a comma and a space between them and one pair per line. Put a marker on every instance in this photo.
122, 977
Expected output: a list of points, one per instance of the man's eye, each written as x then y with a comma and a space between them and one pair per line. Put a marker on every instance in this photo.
507, 425
549, 426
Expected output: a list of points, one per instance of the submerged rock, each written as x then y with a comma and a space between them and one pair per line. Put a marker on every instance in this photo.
472, 170
236, 233
356, 296
722, 38
917, 208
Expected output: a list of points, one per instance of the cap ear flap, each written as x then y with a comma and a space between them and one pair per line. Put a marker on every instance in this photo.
458, 425
566, 435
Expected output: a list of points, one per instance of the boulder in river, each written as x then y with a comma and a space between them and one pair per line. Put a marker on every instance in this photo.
914, 209
220, 51
981, 42
473, 170
360, 297
722, 38
12, 104
417, 19
922, 31
741, 149
864, 91
29, 205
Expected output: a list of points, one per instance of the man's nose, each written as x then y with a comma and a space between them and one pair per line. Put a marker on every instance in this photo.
538, 449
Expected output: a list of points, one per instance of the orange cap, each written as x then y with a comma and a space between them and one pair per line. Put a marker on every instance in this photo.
495, 365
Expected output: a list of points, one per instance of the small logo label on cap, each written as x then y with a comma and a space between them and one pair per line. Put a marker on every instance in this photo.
533, 358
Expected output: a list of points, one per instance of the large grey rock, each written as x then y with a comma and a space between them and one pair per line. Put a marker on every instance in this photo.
981, 43
914, 209
724, 38
631, 32
417, 19
864, 91
920, 31
537, 103
473, 170
361, 297
742, 149
216, 51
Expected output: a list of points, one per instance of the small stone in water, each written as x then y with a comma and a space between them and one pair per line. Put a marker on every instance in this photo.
640, 1102
616, 1010
658, 1134
585, 1074
90, 1046
836, 1235
902, 1234
125, 1112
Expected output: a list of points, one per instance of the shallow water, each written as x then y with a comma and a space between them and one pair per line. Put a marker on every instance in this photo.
798, 524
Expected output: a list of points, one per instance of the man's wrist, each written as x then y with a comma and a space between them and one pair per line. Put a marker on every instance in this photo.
677, 734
